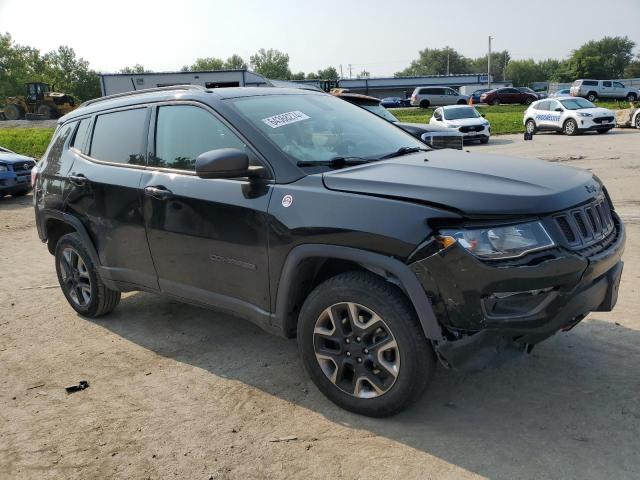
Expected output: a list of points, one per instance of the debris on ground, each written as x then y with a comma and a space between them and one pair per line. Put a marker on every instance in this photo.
81, 385
288, 438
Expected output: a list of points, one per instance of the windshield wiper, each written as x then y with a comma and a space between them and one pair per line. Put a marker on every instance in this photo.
404, 151
334, 162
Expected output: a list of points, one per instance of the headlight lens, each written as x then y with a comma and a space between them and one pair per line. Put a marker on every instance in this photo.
585, 114
501, 242
3, 168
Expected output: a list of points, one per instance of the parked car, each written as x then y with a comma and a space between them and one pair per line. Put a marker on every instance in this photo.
317, 220
565, 92
507, 95
569, 115
475, 96
15, 173
426, 97
594, 89
538, 95
435, 136
391, 102
464, 119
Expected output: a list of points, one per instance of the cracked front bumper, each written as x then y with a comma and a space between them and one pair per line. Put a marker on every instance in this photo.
490, 311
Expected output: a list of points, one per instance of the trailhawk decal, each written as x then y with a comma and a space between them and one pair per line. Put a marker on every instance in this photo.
287, 118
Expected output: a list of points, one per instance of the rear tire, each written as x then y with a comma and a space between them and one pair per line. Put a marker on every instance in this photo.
80, 280
528, 101
632, 97
462, 102
637, 120
362, 345
530, 126
13, 112
570, 127
425, 103
495, 102
592, 96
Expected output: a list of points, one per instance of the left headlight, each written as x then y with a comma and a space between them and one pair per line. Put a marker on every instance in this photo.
502, 242
3, 168
583, 114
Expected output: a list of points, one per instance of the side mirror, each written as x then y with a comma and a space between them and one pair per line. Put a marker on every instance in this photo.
559, 109
482, 115
223, 163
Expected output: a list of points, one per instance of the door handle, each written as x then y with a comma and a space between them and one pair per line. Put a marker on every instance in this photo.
78, 180
159, 192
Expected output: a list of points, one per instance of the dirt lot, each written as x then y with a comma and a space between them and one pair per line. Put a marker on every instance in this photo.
181, 392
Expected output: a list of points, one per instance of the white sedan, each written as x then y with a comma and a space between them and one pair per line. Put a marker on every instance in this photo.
464, 118
570, 115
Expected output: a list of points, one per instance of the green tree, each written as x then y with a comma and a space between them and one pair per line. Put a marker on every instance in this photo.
633, 69
525, 72
297, 76
204, 64
313, 76
329, 73
235, 62
69, 74
433, 61
605, 58
271, 64
18, 65
499, 64
137, 68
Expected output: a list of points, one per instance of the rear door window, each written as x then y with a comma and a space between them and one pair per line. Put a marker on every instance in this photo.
120, 137
183, 132
606, 84
591, 83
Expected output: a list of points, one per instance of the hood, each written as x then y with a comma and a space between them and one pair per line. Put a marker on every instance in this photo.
596, 112
465, 122
474, 184
6, 157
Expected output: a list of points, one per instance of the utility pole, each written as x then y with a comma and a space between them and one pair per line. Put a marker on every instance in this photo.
489, 65
447, 63
349, 71
341, 76
504, 67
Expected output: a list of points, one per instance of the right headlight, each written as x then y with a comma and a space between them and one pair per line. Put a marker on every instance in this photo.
493, 243
3, 168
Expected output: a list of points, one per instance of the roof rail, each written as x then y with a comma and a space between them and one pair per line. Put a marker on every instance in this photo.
140, 92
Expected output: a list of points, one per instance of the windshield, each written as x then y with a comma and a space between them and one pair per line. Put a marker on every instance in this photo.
310, 127
576, 103
381, 112
459, 113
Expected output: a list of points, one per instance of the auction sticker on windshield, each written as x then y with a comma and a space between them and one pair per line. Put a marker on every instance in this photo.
287, 118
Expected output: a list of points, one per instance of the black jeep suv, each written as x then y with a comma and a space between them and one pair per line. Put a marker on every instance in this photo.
313, 218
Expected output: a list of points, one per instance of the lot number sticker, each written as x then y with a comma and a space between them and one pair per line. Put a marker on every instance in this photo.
287, 118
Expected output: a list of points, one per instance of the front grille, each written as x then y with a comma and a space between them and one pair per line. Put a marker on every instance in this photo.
22, 168
471, 128
589, 225
603, 119
444, 141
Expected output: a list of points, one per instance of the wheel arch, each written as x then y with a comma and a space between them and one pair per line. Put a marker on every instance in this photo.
318, 262
56, 224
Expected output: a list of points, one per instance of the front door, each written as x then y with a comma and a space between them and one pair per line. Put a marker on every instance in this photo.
208, 237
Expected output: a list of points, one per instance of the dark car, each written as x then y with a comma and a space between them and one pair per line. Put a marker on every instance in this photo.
475, 96
15, 173
433, 135
391, 102
507, 95
317, 220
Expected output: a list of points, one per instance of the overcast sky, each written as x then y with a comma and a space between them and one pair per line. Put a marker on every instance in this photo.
377, 35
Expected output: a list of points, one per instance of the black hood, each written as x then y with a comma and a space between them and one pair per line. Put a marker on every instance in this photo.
474, 184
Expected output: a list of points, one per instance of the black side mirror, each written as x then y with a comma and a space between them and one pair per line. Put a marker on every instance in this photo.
559, 109
482, 115
223, 163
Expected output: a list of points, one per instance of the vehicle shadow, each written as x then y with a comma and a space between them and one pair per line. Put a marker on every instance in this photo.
496, 140
569, 410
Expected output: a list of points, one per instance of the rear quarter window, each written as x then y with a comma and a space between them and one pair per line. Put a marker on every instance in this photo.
591, 83
79, 141
120, 137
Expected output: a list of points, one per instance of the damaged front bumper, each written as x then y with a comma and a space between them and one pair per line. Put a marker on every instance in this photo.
491, 311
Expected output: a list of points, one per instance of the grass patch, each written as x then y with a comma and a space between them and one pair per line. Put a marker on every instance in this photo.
503, 118
27, 141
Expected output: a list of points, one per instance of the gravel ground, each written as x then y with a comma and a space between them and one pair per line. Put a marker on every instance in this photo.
181, 392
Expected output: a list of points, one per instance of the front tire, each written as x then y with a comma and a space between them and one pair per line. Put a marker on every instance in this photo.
495, 102
13, 112
570, 127
592, 96
638, 120
528, 101
425, 103
632, 97
80, 280
362, 345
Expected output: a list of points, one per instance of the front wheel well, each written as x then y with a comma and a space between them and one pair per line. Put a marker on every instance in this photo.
54, 230
310, 273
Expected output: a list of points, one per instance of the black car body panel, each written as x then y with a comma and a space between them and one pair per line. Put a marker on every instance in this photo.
254, 246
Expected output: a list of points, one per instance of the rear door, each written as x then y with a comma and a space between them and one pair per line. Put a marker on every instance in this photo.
208, 237
620, 91
105, 193
607, 89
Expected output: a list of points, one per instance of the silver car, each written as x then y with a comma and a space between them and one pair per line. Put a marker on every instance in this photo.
594, 89
426, 97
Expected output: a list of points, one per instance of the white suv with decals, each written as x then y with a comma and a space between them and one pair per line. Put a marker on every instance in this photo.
464, 119
569, 115
594, 89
